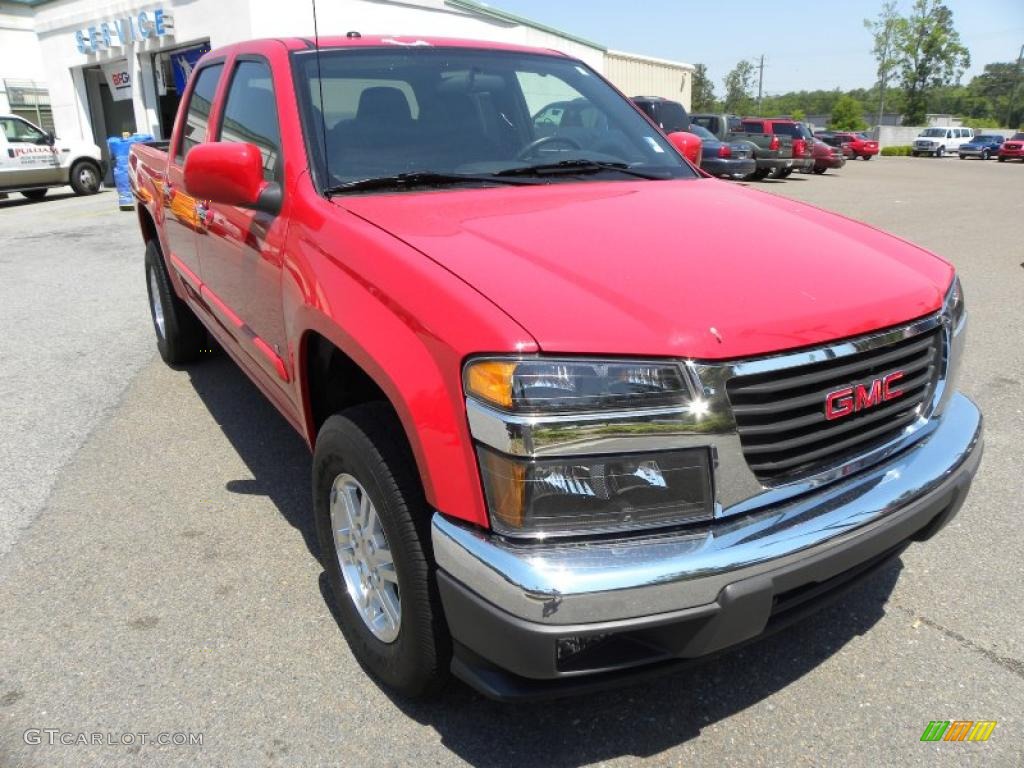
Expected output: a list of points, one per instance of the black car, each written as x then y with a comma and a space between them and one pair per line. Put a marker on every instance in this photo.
722, 158
670, 116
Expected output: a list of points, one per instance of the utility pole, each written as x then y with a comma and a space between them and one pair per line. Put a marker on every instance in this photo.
1013, 91
760, 82
883, 69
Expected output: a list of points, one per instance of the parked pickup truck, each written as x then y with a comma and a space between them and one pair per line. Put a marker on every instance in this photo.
578, 413
33, 160
772, 152
985, 146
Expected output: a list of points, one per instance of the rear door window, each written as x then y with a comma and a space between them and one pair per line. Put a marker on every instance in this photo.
785, 129
200, 103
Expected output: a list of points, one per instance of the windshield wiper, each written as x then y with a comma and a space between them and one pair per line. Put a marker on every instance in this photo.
416, 179
581, 166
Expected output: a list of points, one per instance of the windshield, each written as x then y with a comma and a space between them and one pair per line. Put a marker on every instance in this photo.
939, 132
985, 138
456, 111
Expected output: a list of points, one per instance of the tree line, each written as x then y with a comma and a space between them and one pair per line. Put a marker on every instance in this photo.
920, 62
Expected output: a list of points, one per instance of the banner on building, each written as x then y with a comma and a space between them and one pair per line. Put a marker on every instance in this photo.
183, 62
119, 80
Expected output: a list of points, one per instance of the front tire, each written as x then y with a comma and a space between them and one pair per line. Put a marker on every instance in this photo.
866, 157
820, 171
984, 154
180, 336
941, 151
85, 177
35, 194
373, 524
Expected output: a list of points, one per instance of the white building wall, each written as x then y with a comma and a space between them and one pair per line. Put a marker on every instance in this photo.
56, 23
20, 56
637, 75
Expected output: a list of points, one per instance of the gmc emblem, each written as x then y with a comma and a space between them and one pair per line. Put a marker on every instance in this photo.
849, 400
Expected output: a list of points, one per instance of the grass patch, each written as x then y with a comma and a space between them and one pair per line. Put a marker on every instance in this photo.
900, 151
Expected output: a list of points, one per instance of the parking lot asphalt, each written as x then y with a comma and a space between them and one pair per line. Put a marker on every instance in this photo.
158, 568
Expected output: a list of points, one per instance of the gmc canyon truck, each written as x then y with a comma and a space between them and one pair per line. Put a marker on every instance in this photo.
570, 425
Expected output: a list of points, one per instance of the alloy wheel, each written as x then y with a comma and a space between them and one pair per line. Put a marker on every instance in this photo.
364, 558
156, 305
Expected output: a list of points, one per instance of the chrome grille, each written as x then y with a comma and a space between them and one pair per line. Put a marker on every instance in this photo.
780, 415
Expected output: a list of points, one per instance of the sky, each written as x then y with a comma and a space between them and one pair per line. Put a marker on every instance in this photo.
807, 46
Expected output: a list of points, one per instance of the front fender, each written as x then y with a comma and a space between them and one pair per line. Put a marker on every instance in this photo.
408, 323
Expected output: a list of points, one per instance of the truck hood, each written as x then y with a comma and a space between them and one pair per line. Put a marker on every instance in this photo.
691, 268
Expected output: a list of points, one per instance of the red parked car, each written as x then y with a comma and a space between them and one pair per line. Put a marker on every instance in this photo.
827, 157
578, 413
853, 144
1012, 149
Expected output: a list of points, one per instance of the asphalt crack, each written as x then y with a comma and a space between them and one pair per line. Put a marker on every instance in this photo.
1015, 666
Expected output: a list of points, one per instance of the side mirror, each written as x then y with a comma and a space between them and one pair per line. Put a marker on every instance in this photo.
230, 173
688, 144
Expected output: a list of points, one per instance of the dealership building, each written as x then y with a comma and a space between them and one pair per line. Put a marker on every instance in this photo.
90, 69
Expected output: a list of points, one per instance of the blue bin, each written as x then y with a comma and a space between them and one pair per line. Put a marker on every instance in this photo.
119, 148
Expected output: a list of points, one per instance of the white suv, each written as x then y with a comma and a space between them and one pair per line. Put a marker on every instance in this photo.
32, 161
939, 141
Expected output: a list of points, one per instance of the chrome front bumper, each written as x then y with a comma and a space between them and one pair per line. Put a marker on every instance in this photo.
557, 584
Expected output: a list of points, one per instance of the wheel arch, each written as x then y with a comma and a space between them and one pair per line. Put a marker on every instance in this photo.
334, 373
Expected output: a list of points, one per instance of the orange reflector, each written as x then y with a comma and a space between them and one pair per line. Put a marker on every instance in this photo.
505, 487
491, 380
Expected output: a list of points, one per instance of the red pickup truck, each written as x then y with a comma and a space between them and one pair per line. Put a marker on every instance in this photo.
578, 413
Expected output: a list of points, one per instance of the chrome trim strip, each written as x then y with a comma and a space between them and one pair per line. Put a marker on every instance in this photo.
565, 583
786, 360
576, 434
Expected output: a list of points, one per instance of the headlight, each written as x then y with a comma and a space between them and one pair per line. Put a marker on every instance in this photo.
568, 447
536, 385
595, 494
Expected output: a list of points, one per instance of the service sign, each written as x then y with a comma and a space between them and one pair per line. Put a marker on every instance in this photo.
119, 80
119, 32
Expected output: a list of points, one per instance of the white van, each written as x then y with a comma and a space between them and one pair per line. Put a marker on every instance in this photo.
939, 141
32, 161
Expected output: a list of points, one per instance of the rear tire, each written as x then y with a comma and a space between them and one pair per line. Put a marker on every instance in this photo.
913, 154
1002, 159
180, 336
35, 194
820, 171
866, 157
365, 444
85, 177
984, 154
